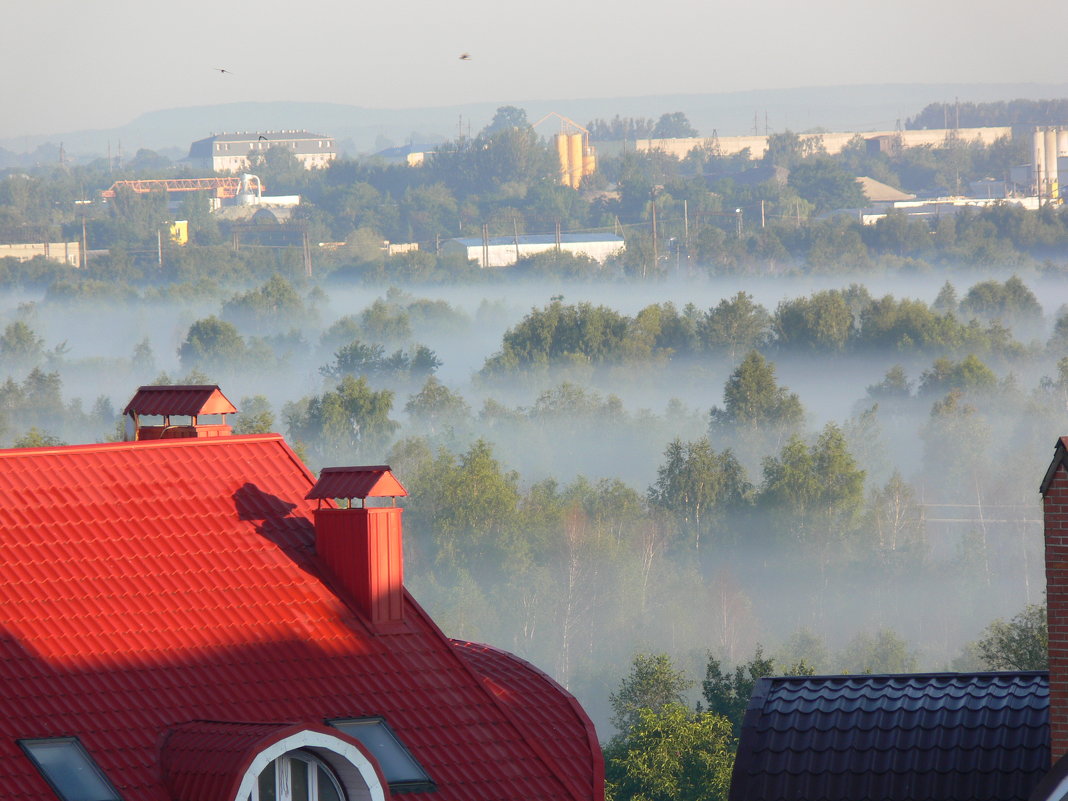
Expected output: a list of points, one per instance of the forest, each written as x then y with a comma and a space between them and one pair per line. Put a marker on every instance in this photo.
807, 446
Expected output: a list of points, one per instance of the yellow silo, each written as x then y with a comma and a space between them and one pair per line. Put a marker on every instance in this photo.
574, 160
562, 157
589, 161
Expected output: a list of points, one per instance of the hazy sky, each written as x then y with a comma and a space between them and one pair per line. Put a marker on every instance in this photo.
76, 64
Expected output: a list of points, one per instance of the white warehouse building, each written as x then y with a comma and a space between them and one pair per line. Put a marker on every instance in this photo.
504, 251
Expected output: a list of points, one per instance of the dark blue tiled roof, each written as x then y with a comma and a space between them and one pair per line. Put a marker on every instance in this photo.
936, 737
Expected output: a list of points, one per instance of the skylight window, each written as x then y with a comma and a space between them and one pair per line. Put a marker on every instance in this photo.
67, 766
403, 773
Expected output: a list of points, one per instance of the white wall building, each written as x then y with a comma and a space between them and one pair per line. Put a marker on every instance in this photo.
504, 251
234, 152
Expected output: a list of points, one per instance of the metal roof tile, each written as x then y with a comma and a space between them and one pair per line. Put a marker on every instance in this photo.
894, 737
181, 586
191, 400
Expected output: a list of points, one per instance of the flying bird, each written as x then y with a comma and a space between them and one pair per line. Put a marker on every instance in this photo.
465, 57
264, 138
224, 72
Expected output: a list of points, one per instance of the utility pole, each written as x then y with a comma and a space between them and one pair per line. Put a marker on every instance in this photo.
515, 234
306, 245
686, 223
762, 212
85, 252
655, 253
159, 247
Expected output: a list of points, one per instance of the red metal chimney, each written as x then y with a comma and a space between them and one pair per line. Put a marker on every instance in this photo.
192, 401
1055, 513
362, 545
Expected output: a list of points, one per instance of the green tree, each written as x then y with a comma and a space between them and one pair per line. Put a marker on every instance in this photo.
752, 398
815, 492
255, 416
20, 346
652, 684
273, 306
955, 438
895, 521
435, 406
1022, 643
698, 486
895, 386
576, 334
212, 344
727, 694
824, 184
823, 322
734, 326
969, 375
674, 126
671, 754
469, 507
350, 423
946, 301
1011, 303
36, 438
506, 117
788, 149
883, 652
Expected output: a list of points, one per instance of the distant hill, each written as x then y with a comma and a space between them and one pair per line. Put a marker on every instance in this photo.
1019, 111
365, 130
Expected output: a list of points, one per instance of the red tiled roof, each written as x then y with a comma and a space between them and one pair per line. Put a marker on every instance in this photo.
146, 586
205, 759
188, 399
551, 717
375, 481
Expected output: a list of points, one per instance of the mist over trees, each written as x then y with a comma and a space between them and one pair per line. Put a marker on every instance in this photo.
799, 445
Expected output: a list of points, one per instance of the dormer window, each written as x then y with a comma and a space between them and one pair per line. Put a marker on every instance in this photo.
402, 772
297, 776
68, 768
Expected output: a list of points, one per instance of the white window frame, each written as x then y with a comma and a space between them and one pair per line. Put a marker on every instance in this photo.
283, 767
348, 764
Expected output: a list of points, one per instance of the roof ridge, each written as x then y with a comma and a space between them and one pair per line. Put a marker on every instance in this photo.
184, 442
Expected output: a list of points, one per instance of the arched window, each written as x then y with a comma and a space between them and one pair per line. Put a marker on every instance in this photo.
297, 776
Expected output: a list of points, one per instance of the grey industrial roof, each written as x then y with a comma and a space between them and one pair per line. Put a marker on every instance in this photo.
938, 737
270, 136
538, 239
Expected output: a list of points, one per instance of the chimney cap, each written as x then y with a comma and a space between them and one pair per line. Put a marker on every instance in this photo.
370, 481
182, 399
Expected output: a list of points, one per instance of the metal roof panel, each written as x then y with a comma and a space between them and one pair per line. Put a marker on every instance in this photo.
188, 399
373, 481
854, 738
188, 589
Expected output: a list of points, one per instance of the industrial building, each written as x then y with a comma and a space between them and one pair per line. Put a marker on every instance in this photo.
236, 152
504, 251
64, 252
831, 142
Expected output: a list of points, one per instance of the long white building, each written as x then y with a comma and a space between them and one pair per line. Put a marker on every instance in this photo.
504, 251
234, 152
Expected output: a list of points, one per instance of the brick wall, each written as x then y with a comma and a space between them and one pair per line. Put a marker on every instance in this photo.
1055, 510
